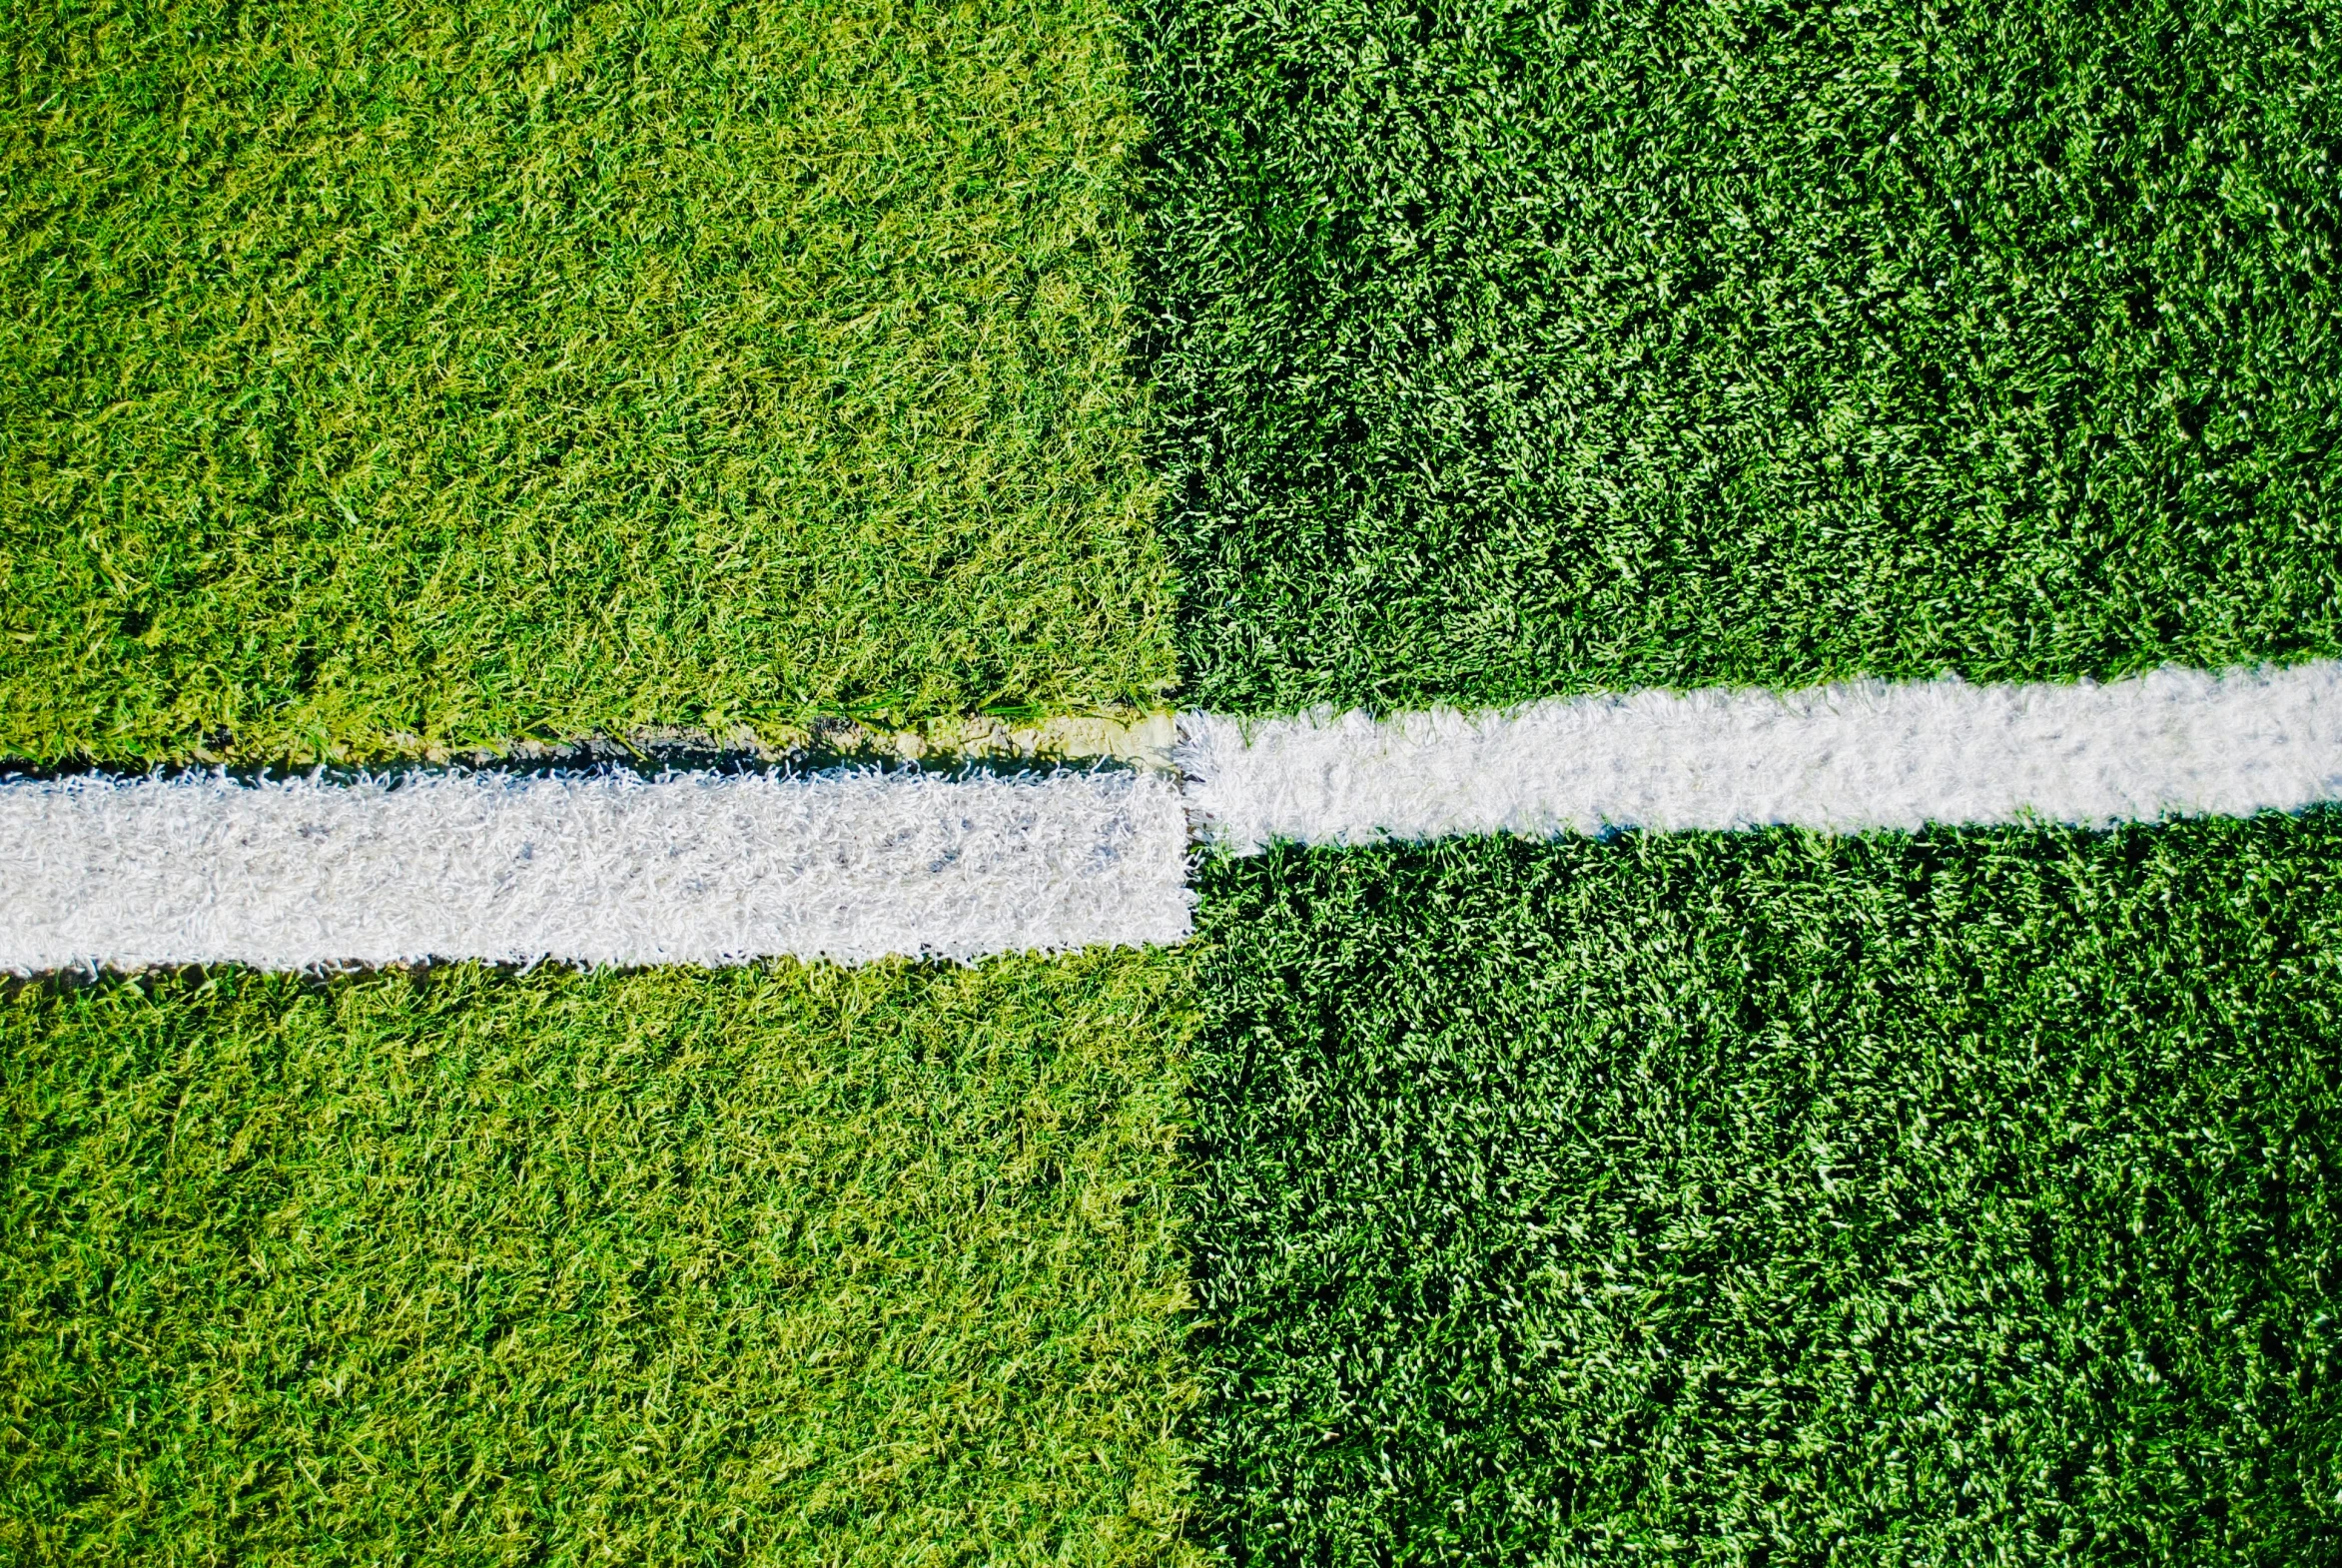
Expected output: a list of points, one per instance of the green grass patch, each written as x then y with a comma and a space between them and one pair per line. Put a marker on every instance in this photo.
379, 376
763, 1266
1965, 1197
1516, 348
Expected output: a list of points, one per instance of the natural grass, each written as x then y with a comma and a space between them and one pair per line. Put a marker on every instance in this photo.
760, 1267
1518, 348
1961, 1198
380, 377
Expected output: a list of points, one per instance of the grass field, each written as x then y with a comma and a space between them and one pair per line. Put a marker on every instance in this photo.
1766, 1199
1969, 1197
379, 376
1511, 350
380, 380
770, 1265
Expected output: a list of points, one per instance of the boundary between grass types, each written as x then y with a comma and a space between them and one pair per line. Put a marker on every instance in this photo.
599, 868
1853, 757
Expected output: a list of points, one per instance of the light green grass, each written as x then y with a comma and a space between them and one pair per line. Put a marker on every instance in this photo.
1770, 1197
379, 375
761, 1267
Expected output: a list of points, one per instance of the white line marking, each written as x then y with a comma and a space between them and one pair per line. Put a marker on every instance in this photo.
706, 868
1866, 755
697, 868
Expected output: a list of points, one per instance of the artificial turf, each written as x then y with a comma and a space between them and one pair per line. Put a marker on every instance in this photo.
761, 1265
1974, 1196
1512, 349
378, 378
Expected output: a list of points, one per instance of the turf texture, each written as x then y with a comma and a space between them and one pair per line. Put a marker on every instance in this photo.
1961, 1197
378, 378
1509, 350
761, 1265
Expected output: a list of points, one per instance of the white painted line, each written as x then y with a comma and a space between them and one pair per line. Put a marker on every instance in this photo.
1867, 755
717, 868
698, 868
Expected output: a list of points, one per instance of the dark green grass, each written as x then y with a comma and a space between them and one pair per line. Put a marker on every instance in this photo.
1513, 347
753, 1267
1975, 1198
379, 375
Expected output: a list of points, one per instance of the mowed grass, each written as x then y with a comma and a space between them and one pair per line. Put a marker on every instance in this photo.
1514, 348
758, 1267
1967, 1198
379, 377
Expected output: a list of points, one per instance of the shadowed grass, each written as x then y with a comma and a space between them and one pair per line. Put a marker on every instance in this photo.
764, 1266
1520, 347
1772, 1198
378, 376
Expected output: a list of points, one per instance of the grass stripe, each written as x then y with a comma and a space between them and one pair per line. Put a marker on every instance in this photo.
771, 1265
1968, 1197
1511, 350
381, 380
